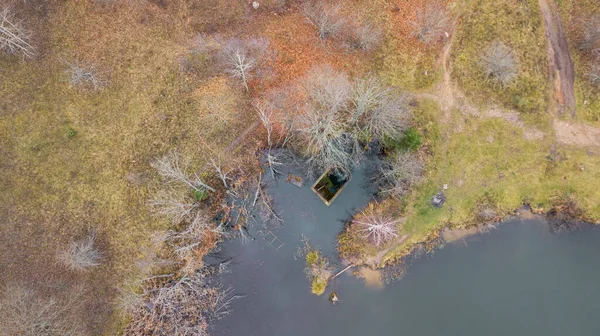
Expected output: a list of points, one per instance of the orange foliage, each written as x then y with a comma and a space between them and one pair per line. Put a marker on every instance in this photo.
298, 49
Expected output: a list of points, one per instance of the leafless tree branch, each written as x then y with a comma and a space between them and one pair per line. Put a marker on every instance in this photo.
13, 37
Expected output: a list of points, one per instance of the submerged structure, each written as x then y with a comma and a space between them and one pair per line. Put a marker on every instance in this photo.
331, 183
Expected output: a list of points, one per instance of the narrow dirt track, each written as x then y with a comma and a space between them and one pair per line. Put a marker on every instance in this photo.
561, 68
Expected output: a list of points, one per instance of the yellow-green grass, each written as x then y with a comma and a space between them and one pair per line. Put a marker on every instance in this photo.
488, 161
517, 24
73, 160
587, 97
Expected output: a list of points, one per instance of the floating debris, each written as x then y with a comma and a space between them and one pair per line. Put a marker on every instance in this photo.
295, 180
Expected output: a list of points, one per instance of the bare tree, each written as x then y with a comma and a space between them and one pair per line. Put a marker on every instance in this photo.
172, 205
25, 313
375, 227
190, 238
364, 37
431, 22
222, 171
498, 61
242, 58
13, 37
84, 75
81, 255
321, 126
266, 113
378, 110
590, 41
397, 175
179, 307
325, 17
173, 168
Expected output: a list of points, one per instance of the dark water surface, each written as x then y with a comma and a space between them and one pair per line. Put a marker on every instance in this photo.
517, 280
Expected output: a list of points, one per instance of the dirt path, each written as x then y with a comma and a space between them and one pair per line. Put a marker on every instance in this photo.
449, 96
560, 64
576, 134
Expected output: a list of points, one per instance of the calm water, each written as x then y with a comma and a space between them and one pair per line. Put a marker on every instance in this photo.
518, 280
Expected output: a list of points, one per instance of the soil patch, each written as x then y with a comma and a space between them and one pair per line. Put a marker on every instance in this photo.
560, 64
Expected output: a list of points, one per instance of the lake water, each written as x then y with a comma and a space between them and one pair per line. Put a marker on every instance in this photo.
520, 279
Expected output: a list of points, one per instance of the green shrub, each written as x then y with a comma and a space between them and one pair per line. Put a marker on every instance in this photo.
318, 286
312, 258
71, 133
410, 141
200, 195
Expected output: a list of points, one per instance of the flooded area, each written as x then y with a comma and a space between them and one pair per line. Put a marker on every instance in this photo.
519, 279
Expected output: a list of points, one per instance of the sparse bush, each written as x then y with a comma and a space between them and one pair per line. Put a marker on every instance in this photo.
25, 313
499, 62
365, 37
14, 39
242, 58
396, 175
375, 227
86, 76
81, 255
590, 41
594, 76
431, 22
486, 213
325, 17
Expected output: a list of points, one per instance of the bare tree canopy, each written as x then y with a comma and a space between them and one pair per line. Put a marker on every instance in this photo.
321, 125
25, 313
378, 110
431, 22
337, 117
81, 255
498, 61
375, 227
14, 39
365, 37
325, 17
242, 58
397, 175
173, 168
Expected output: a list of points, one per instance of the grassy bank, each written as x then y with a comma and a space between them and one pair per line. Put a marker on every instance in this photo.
489, 165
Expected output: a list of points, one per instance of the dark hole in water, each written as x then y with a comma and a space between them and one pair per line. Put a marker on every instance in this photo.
331, 183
